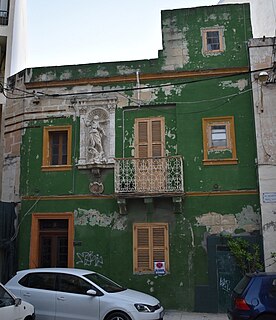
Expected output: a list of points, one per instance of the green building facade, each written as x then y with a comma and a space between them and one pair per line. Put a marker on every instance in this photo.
138, 169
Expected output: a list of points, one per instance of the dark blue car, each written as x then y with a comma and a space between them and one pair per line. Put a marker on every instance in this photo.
254, 298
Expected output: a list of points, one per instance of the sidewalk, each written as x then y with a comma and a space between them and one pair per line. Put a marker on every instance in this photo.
179, 315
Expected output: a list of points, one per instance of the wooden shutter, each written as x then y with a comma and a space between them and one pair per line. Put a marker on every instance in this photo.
158, 243
149, 137
150, 244
142, 248
156, 134
143, 139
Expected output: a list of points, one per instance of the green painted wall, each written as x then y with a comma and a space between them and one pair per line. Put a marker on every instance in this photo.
104, 236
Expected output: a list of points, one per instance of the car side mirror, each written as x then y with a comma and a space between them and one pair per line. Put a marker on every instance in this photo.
91, 292
17, 302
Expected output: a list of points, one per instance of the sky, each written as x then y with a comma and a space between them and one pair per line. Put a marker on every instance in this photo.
62, 32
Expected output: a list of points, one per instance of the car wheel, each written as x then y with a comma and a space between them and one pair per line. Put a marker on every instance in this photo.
267, 317
118, 316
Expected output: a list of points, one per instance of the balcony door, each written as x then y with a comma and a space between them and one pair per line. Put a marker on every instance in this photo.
150, 171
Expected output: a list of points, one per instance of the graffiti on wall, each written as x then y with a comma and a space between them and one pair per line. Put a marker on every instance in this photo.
89, 258
225, 284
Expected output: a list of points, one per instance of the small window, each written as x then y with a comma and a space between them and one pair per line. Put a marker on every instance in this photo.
219, 136
39, 280
73, 284
6, 299
57, 148
212, 40
219, 141
150, 244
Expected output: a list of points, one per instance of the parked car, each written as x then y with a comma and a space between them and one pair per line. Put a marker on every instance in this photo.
64, 294
12, 308
254, 298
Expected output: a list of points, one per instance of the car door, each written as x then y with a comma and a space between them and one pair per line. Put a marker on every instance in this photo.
39, 290
8, 309
72, 301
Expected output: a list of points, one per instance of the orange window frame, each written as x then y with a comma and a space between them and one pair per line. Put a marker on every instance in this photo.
46, 165
207, 124
204, 32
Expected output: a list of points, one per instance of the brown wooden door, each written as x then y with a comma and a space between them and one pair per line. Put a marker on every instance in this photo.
149, 153
53, 243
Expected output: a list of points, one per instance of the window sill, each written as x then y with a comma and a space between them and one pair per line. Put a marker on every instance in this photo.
219, 162
56, 168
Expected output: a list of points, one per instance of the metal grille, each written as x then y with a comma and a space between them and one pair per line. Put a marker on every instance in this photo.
149, 175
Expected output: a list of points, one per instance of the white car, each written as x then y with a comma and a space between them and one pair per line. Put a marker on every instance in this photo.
12, 308
64, 294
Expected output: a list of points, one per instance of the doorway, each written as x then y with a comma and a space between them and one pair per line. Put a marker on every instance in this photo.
52, 240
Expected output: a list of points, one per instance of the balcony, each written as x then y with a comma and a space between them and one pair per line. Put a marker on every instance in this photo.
140, 177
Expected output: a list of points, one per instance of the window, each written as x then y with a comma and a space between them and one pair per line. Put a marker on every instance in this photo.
149, 137
73, 284
57, 148
150, 244
39, 280
212, 40
219, 141
5, 299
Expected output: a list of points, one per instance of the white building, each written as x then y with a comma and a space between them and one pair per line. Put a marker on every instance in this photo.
12, 53
263, 16
262, 53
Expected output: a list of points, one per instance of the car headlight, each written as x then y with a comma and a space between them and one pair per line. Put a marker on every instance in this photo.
144, 307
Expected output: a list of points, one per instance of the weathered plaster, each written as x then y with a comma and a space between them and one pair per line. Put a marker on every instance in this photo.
93, 217
215, 223
241, 84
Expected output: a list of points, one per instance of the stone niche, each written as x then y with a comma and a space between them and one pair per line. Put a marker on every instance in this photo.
97, 133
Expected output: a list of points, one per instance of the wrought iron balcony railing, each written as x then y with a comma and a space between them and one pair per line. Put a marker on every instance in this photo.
149, 175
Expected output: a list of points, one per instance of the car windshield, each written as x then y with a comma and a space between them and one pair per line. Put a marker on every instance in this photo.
105, 283
242, 284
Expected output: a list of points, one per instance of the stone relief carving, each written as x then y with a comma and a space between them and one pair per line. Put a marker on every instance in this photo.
97, 133
95, 136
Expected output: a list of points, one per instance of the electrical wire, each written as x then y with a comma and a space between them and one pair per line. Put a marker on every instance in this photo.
19, 225
75, 94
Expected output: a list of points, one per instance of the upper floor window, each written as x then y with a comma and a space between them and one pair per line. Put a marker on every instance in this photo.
149, 137
212, 40
150, 244
4, 12
219, 141
57, 148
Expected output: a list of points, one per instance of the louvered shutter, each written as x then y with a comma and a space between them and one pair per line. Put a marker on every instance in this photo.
143, 249
143, 139
150, 245
156, 134
158, 243
149, 137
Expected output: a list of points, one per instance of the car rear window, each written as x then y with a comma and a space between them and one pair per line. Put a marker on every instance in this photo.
242, 284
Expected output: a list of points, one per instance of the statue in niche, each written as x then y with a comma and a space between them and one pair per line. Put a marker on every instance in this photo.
96, 134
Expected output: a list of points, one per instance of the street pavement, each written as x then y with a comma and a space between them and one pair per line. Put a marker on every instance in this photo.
179, 315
